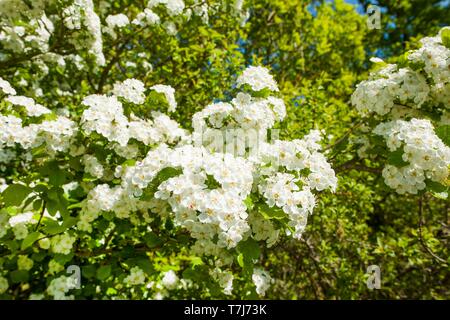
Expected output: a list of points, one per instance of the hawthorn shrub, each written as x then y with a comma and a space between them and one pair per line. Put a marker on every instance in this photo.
171, 150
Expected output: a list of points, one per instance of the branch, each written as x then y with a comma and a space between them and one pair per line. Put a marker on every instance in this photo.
108, 68
124, 41
343, 137
41, 215
422, 242
354, 164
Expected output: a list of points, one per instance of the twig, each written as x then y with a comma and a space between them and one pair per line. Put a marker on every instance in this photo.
353, 164
422, 242
343, 137
41, 215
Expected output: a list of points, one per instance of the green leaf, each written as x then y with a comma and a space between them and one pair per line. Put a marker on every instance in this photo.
129, 163
75, 163
28, 201
240, 260
108, 215
152, 240
271, 212
435, 187
196, 261
341, 145
39, 256
18, 276
29, 240
211, 182
249, 248
111, 291
37, 204
162, 176
57, 176
14, 194
440, 195
445, 36
69, 222
395, 158
167, 173
142, 263
52, 227
41, 188
62, 259
88, 271
249, 203
52, 207
443, 132
103, 272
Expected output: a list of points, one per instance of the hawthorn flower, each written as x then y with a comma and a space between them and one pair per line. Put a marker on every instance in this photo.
424, 154
24, 263
169, 280
262, 280
258, 78
6, 88
169, 93
117, 20
3, 285
136, 277
147, 17
59, 287
33, 109
131, 90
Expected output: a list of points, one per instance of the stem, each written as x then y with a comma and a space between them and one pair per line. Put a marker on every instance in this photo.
422, 242
41, 215
353, 164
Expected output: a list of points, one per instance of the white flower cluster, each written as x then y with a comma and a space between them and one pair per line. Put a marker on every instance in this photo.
33, 109
258, 78
263, 229
203, 191
245, 117
55, 134
169, 93
405, 96
262, 281
224, 278
131, 90
169, 280
6, 88
207, 211
24, 263
427, 157
82, 14
93, 166
43, 29
202, 187
136, 277
106, 117
435, 57
174, 7
391, 87
146, 18
116, 21
282, 191
59, 287
388, 88
62, 243
25, 37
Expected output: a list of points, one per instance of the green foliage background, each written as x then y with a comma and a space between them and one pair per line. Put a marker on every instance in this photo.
317, 51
